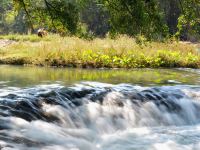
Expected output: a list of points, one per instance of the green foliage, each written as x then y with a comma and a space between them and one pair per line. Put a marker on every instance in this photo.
82, 32
23, 38
5, 10
59, 16
95, 16
145, 20
189, 20
75, 52
133, 17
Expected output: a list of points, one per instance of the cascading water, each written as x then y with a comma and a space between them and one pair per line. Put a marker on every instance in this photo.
97, 116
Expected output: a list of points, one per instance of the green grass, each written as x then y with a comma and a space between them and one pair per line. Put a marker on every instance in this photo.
122, 52
22, 38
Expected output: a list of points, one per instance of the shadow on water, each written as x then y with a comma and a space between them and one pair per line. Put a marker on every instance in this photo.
29, 76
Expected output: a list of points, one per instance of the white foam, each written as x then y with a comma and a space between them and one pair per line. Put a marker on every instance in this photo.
114, 124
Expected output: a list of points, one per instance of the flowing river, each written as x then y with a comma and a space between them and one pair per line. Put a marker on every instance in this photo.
77, 109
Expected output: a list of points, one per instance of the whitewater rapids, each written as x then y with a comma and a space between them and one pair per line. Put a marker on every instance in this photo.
98, 116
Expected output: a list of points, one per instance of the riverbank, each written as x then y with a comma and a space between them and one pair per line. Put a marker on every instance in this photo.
122, 52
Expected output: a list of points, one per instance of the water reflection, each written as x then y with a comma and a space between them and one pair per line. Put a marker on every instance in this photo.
29, 76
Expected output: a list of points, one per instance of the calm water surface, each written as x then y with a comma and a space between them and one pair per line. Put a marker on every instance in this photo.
99, 109
30, 76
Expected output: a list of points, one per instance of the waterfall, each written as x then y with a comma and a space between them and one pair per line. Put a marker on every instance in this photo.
100, 116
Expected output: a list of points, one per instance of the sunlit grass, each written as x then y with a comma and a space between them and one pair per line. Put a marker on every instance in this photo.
122, 52
31, 38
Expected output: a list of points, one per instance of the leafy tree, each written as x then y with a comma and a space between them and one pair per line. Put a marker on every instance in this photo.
153, 19
59, 16
189, 20
5, 15
135, 17
171, 9
95, 16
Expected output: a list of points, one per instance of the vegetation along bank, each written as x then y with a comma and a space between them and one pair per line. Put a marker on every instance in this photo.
122, 52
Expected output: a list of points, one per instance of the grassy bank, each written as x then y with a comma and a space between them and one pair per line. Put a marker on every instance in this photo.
122, 52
